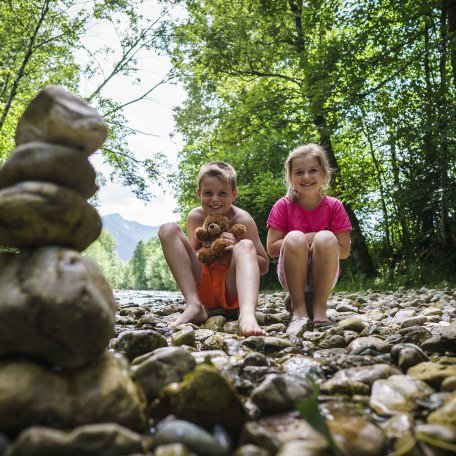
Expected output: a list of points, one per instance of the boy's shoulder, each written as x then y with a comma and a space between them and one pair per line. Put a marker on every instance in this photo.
240, 215
196, 214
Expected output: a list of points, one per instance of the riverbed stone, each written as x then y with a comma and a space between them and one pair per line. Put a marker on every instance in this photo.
36, 213
356, 436
184, 336
280, 393
55, 163
107, 439
191, 436
370, 342
273, 431
398, 393
204, 397
66, 320
31, 394
407, 355
357, 380
215, 323
59, 117
432, 373
138, 342
163, 366
446, 414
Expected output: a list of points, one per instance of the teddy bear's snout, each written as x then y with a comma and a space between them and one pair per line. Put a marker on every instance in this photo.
213, 228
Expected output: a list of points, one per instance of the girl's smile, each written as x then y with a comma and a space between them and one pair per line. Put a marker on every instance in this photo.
307, 178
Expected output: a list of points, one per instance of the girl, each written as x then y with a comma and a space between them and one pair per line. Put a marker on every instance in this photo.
309, 232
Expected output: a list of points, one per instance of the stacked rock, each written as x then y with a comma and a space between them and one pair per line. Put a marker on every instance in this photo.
57, 311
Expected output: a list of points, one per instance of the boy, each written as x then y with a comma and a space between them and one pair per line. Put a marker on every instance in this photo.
232, 282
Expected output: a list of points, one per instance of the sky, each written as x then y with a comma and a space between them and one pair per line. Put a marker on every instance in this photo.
153, 116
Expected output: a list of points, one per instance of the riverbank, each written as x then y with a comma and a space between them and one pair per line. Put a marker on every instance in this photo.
385, 376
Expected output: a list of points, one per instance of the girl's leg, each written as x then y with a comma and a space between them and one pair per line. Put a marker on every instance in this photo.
325, 265
295, 260
243, 281
186, 270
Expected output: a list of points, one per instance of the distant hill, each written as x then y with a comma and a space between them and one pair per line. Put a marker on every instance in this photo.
127, 233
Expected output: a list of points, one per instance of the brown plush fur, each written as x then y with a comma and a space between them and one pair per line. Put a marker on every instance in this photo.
213, 227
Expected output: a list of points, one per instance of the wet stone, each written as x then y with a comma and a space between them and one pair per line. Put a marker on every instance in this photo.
34, 213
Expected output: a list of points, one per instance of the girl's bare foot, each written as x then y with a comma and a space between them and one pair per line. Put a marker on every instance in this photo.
192, 314
248, 326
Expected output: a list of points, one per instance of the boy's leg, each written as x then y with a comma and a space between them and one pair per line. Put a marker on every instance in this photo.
325, 265
295, 261
186, 270
243, 281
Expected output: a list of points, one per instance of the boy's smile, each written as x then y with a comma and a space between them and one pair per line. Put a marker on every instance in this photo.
216, 196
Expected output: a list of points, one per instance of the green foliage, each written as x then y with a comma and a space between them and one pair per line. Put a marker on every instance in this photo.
42, 42
308, 409
371, 82
147, 269
102, 251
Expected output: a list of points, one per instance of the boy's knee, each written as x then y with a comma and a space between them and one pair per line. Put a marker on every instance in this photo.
244, 246
168, 229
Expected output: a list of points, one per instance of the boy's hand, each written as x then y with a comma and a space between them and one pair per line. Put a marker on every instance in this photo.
230, 239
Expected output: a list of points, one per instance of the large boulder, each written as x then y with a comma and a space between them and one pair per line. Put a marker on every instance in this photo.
40, 213
55, 306
56, 116
31, 394
108, 439
38, 161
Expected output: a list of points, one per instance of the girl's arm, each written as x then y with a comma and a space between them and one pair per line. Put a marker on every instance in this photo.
343, 239
274, 241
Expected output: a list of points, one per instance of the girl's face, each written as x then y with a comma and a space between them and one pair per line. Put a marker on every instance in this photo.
306, 176
216, 197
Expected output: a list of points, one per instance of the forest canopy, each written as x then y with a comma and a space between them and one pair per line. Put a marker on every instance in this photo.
373, 81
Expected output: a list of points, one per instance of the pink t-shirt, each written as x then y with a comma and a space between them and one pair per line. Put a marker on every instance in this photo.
330, 215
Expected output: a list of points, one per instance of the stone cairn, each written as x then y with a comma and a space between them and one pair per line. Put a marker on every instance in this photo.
57, 311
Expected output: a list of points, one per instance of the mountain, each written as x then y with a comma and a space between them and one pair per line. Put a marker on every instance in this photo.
127, 233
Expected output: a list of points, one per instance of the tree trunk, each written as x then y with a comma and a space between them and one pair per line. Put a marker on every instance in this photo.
360, 252
451, 12
444, 224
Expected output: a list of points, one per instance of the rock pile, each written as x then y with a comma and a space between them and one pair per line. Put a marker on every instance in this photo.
57, 311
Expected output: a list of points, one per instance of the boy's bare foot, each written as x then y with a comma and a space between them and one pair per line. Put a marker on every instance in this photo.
250, 327
192, 314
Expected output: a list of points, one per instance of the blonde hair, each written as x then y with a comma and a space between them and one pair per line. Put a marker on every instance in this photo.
221, 170
306, 150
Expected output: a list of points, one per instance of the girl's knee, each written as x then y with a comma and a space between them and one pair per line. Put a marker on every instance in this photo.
168, 229
325, 239
295, 240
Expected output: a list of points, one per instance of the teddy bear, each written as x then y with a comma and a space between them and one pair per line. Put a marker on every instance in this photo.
213, 227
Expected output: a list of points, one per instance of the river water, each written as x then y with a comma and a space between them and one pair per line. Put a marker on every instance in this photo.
150, 298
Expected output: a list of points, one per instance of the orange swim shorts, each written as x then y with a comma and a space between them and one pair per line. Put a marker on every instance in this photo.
212, 287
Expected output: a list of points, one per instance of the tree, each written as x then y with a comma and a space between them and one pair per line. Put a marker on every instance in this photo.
367, 80
137, 265
41, 41
103, 252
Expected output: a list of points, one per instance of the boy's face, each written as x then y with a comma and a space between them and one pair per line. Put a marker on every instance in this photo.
215, 196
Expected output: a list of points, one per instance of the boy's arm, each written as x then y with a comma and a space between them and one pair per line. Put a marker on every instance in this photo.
193, 222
